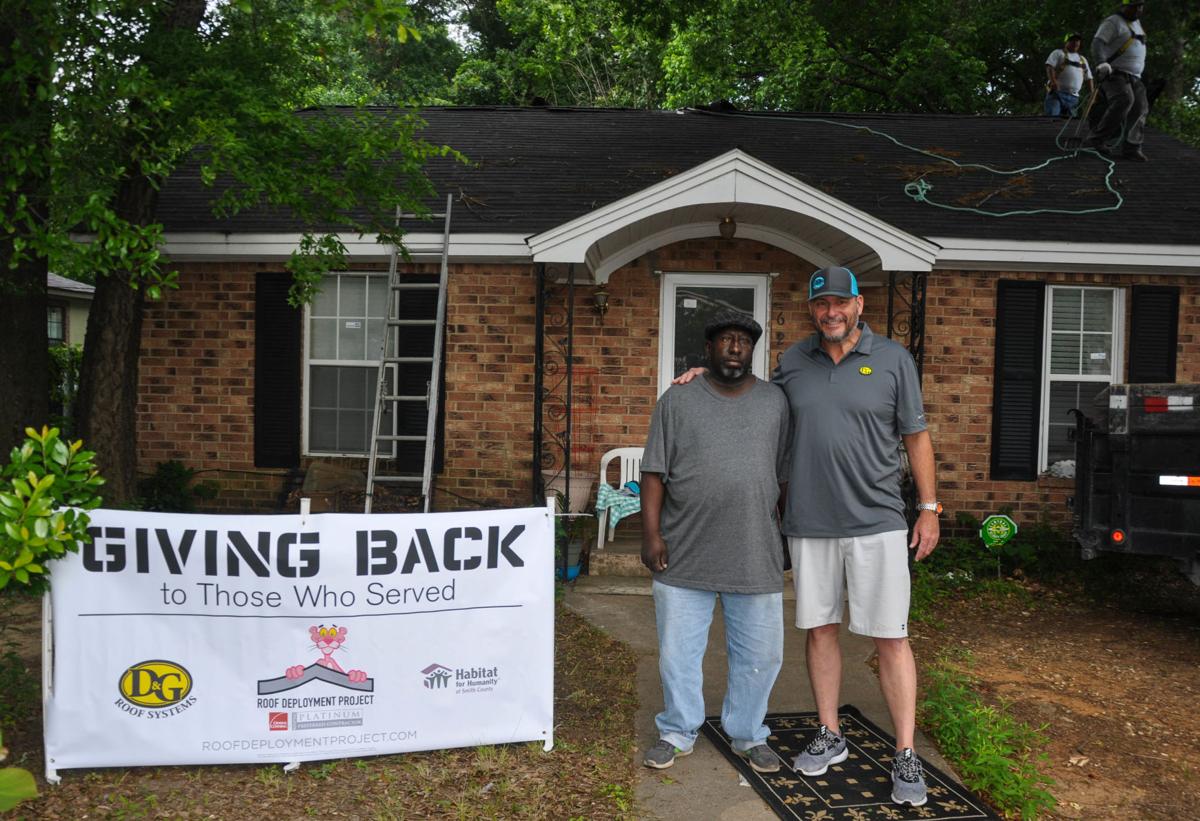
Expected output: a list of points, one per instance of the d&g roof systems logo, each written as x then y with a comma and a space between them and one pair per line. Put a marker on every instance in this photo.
155, 683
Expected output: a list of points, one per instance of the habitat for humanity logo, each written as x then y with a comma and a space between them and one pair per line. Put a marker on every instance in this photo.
155, 689
466, 679
436, 676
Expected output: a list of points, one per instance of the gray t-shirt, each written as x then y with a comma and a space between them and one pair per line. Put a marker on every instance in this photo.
721, 459
847, 420
1113, 33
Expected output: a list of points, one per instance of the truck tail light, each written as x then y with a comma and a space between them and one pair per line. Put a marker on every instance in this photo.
1117, 536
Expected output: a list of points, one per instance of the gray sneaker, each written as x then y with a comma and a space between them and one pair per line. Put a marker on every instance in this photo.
663, 754
826, 748
761, 759
908, 779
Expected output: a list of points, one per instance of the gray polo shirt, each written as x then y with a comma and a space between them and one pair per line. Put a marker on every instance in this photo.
847, 420
722, 459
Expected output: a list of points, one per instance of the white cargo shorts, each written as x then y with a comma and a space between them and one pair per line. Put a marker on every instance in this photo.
872, 570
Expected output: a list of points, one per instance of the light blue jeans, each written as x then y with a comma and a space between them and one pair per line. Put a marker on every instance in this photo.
753, 642
1060, 104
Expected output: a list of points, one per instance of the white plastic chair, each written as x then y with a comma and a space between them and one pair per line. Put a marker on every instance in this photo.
631, 471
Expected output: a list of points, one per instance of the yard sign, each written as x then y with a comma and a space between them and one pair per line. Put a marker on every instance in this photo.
188, 639
997, 529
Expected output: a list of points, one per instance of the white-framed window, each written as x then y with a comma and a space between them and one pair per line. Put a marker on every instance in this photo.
1083, 355
56, 324
688, 301
345, 329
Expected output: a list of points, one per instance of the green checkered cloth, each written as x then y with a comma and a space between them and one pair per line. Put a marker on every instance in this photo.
616, 503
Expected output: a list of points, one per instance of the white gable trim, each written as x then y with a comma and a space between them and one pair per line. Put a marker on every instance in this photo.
181, 247
1018, 255
603, 268
953, 253
734, 177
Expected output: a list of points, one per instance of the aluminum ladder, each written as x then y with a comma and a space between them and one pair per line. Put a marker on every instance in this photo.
389, 357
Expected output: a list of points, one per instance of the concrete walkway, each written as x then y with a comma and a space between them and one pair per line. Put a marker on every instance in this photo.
704, 785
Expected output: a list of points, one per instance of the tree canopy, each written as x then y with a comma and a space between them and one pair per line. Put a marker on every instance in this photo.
122, 92
944, 56
105, 98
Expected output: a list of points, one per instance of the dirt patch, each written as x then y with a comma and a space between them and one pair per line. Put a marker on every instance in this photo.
1114, 683
589, 774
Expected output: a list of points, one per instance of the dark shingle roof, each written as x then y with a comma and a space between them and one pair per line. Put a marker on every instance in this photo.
534, 168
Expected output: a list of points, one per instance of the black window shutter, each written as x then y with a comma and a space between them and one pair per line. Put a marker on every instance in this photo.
277, 353
1153, 333
1020, 306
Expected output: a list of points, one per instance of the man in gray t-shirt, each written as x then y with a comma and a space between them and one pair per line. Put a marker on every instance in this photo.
712, 468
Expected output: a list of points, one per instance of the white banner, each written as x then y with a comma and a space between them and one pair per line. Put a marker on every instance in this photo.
193, 639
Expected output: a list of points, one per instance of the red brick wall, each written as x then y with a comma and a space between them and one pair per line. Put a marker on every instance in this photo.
623, 344
489, 387
197, 376
196, 383
958, 384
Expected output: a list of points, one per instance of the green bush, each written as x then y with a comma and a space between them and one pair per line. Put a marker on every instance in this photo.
16, 784
44, 490
170, 490
995, 754
65, 362
964, 563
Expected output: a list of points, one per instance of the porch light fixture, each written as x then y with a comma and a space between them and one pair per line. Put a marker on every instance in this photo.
727, 228
600, 300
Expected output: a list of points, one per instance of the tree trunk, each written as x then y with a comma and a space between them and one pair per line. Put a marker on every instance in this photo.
24, 123
108, 380
106, 405
24, 361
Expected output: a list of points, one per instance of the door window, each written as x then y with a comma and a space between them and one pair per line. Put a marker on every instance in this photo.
689, 301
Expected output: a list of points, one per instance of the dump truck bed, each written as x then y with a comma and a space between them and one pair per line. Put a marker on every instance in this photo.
1137, 473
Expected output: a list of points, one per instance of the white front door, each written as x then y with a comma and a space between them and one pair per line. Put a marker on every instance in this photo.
690, 300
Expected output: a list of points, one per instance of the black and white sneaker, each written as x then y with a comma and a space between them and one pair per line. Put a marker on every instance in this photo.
908, 779
826, 748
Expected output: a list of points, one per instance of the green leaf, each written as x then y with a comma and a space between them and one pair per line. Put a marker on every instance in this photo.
16, 785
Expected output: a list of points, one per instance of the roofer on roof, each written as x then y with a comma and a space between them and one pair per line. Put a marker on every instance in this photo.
1119, 48
1066, 69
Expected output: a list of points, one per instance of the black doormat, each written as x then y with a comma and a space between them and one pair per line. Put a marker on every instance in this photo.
858, 789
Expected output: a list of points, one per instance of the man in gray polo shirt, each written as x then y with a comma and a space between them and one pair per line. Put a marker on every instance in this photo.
712, 469
854, 397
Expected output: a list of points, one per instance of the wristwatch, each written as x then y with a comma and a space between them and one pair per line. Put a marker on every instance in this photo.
936, 507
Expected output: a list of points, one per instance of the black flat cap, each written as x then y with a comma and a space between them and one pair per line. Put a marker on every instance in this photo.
733, 319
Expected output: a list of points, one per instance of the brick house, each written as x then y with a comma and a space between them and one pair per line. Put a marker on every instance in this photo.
652, 217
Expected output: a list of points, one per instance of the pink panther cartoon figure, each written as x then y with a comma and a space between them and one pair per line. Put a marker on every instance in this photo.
327, 640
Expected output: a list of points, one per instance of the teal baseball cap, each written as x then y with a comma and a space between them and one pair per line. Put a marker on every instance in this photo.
832, 281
